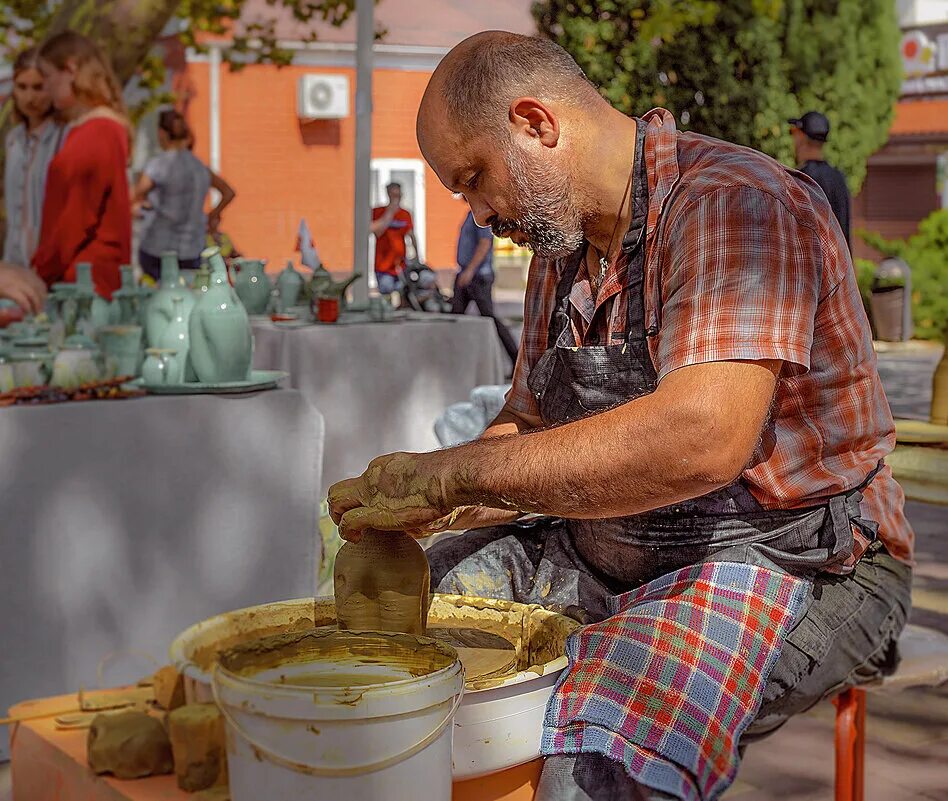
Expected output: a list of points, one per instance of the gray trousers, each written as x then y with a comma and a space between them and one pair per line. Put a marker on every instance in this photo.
847, 636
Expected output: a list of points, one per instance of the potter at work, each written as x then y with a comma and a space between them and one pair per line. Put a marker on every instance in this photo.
696, 419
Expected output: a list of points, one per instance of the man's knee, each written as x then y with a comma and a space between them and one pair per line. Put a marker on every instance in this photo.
591, 777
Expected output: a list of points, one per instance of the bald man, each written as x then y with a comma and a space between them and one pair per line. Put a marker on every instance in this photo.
696, 423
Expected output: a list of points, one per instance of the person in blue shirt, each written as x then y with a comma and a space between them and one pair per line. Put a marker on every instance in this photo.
475, 279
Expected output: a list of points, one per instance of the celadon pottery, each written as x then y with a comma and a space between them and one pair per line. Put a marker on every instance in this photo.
160, 310
252, 286
176, 337
99, 313
122, 349
158, 367
202, 278
289, 286
31, 368
125, 300
74, 365
380, 310
221, 340
7, 378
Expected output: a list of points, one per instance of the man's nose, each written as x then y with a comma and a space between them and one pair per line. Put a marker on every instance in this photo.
484, 215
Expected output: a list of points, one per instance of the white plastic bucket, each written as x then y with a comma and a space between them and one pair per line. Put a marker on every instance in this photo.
339, 716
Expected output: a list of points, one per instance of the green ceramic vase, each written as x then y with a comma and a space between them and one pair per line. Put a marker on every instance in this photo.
252, 286
160, 310
221, 343
289, 285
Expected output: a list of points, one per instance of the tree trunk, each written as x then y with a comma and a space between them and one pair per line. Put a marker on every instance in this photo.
125, 29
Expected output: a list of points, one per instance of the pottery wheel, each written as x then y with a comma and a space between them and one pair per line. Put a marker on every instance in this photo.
483, 654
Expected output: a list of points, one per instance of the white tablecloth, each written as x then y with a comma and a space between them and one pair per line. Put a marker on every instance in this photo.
381, 386
124, 522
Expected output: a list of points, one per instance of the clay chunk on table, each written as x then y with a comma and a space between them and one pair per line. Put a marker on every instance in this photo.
129, 745
199, 746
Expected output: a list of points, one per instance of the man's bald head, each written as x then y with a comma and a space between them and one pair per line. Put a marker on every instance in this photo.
479, 78
501, 123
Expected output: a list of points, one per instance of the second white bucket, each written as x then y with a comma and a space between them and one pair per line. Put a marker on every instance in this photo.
339, 716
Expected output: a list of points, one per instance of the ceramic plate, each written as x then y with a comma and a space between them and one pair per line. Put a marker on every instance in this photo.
259, 379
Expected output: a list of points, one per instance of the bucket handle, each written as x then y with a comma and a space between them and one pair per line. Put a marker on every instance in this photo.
313, 770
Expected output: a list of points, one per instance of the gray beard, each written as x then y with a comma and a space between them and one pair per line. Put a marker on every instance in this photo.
548, 218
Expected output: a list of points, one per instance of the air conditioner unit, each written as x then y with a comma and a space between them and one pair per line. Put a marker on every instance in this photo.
323, 97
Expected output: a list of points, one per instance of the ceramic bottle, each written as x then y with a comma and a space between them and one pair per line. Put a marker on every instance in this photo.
160, 309
289, 285
253, 286
99, 313
176, 337
221, 342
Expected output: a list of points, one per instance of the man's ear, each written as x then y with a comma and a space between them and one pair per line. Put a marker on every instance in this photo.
535, 119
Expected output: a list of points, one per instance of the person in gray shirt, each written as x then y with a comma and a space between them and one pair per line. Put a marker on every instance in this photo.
170, 197
30, 146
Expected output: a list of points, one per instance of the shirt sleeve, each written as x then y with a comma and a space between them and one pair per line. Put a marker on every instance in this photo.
740, 281
156, 170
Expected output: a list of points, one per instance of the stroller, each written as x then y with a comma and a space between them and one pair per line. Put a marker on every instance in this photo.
420, 290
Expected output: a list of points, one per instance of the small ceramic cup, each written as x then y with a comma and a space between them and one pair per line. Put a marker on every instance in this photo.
31, 369
122, 346
159, 366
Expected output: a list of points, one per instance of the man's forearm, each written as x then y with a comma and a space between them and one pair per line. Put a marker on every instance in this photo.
642, 455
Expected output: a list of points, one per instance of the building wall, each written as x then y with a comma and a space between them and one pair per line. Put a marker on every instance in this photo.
283, 170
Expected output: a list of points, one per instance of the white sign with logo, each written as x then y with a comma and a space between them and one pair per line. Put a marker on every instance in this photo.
925, 60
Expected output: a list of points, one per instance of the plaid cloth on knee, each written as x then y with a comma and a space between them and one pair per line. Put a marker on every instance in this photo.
668, 684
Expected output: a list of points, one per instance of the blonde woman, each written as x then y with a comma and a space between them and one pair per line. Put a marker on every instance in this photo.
30, 146
86, 213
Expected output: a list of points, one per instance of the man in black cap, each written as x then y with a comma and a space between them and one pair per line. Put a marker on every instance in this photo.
809, 133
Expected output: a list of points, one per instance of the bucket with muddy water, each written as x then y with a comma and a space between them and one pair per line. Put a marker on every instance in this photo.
328, 715
498, 726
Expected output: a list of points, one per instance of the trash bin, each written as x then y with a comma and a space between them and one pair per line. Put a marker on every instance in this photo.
891, 301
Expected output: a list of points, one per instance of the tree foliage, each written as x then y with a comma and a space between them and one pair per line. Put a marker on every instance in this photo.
127, 30
738, 69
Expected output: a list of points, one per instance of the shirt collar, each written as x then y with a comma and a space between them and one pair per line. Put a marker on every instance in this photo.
661, 160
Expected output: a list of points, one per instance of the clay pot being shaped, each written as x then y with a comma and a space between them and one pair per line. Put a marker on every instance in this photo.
253, 286
160, 309
221, 340
177, 337
289, 285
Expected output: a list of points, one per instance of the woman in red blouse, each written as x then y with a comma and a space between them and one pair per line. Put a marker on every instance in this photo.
86, 212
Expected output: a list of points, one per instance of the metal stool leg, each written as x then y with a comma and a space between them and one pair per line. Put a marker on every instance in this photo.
850, 744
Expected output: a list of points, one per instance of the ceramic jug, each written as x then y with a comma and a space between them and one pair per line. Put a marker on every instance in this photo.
177, 337
221, 340
160, 309
289, 285
253, 286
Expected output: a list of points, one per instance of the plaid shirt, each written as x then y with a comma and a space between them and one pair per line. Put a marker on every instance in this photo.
745, 261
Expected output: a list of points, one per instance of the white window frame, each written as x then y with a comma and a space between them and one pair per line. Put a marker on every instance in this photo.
385, 167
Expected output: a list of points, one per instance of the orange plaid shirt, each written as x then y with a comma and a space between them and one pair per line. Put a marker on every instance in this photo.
745, 260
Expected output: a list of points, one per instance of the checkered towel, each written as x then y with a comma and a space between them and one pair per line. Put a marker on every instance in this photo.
668, 684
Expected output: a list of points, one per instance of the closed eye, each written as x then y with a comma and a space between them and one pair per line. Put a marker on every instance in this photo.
473, 181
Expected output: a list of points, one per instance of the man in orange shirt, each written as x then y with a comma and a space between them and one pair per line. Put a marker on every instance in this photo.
391, 224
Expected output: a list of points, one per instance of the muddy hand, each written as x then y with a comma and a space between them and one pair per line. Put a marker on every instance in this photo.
399, 492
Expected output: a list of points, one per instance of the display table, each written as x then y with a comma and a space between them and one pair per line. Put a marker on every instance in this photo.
381, 386
50, 765
124, 522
